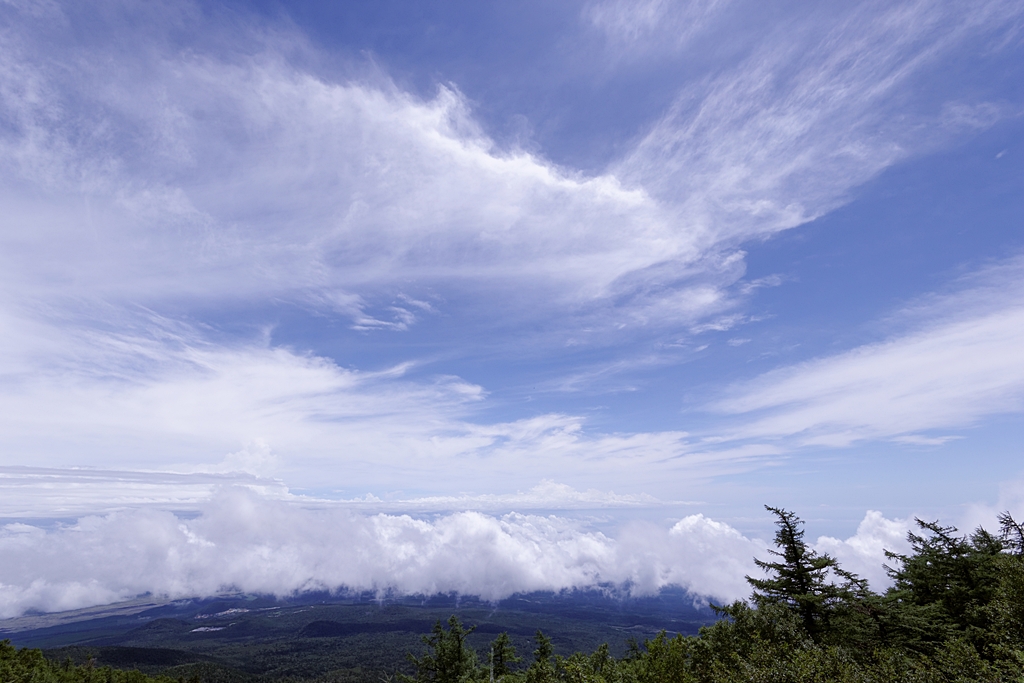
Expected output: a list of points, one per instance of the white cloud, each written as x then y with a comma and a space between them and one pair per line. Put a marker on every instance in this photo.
920, 440
233, 169
547, 495
28, 492
960, 364
985, 514
818, 107
864, 552
227, 176
243, 541
255, 543
158, 396
63, 493
635, 29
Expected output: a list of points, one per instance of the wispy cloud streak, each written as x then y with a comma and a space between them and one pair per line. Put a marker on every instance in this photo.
816, 109
158, 395
958, 362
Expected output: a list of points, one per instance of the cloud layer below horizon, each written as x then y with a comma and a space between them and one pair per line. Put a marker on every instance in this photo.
244, 541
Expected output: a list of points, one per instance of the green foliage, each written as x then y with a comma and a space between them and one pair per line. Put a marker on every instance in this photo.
448, 659
944, 589
802, 579
503, 656
1012, 534
29, 666
542, 670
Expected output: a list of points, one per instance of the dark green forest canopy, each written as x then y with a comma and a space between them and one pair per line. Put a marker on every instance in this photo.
30, 666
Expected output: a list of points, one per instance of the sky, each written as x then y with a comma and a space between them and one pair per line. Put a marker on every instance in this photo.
489, 297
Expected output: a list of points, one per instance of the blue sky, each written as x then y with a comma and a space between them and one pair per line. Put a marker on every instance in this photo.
610, 263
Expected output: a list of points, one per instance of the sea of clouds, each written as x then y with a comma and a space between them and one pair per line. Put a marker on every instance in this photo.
242, 540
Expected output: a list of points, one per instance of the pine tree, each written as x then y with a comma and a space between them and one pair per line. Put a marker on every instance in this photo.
1012, 533
942, 589
543, 668
503, 656
448, 659
802, 579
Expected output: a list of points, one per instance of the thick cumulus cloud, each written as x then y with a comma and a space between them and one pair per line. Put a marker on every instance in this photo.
864, 552
249, 542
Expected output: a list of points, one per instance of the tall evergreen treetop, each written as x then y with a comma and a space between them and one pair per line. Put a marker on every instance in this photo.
942, 588
801, 578
1012, 533
449, 658
503, 656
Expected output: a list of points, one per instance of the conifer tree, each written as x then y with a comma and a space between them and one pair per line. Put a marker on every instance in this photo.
943, 587
448, 659
503, 656
802, 579
1012, 533
543, 668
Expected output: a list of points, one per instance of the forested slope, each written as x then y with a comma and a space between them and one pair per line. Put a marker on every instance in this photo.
30, 666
